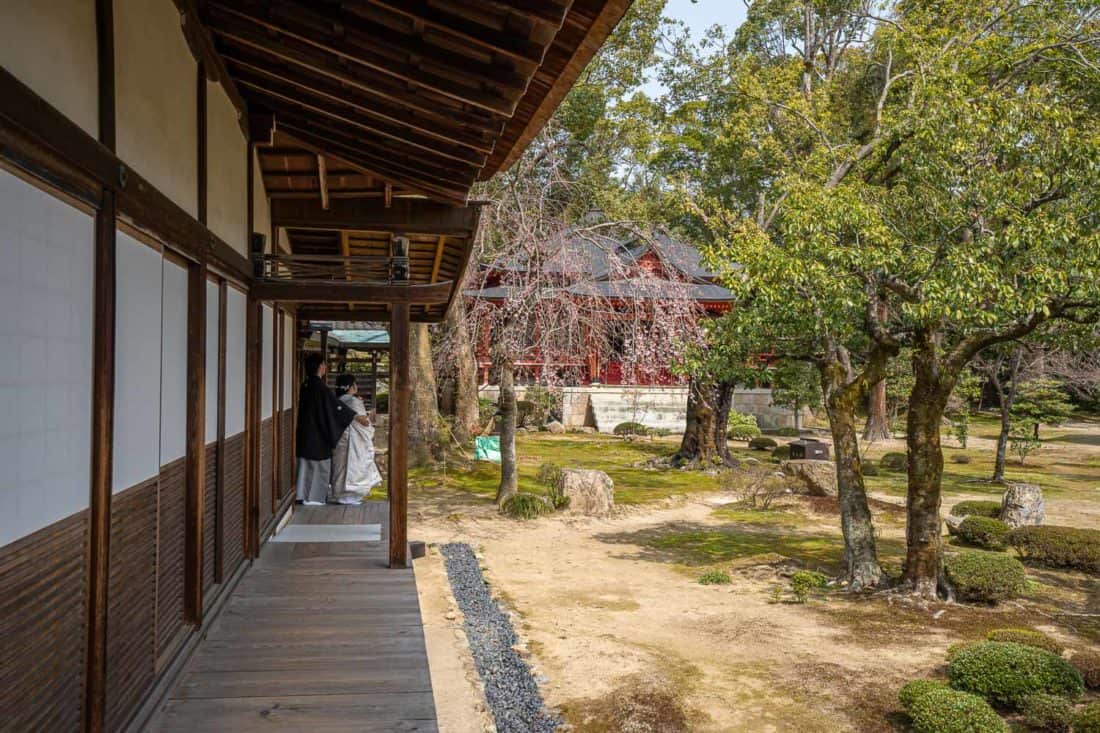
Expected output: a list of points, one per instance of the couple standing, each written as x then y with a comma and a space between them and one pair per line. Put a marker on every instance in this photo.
335, 440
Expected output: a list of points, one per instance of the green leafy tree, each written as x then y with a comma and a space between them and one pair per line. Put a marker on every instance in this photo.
944, 163
796, 385
1041, 402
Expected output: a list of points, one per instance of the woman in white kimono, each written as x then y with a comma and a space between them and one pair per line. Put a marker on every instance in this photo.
354, 472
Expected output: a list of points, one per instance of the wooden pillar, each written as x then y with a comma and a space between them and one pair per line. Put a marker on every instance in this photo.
196, 442
277, 332
219, 518
94, 704
373, 379
253, 379
324, 345
399, 435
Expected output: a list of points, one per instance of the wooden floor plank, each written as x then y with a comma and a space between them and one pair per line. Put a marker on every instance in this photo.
316, 637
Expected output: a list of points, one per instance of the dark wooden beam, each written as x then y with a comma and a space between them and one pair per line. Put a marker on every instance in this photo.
211, 64
200, 104
103, 410
94, 704
369, 46
261, 129
398, 488
27, 114
194, 515
322, 179
408, 216
219, 516
351, 292
546, 11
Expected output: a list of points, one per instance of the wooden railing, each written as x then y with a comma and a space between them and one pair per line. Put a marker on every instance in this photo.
323, 268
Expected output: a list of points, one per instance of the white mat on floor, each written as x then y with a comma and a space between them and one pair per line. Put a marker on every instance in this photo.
330, 533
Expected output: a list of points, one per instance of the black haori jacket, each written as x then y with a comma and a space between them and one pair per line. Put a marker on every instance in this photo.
322, 419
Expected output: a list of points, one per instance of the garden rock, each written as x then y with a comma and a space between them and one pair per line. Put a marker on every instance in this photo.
590, 492
1023, 505
555, 427
953, 523
819, 477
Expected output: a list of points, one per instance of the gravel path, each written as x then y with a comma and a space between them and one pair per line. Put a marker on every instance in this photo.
510, 690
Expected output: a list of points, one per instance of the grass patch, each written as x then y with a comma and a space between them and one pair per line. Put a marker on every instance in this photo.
614, 456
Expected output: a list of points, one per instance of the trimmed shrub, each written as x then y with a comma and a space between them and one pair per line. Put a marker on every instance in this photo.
525, 506
788, 432
951, 711
781, 453
805, 582
1060, 547
870, 468
961, 458
954, 649
762, 442
981, 576
1027, 637
977, 507
1088, 664
1047, 712
991, 534
894, 462
914, 689
742, 427
714, 577
1088, 719
630, 428
1005, 673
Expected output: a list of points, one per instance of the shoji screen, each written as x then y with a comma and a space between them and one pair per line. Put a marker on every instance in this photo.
210, 500
236, 312
267, 422
47, 248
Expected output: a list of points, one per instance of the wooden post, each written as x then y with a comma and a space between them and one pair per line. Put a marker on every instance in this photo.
94, 704
373, 380
201, 159
253, 382
324, 345
219, 518
103, 410
196, 442
399, 435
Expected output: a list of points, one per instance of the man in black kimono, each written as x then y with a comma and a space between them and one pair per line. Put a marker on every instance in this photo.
322, 419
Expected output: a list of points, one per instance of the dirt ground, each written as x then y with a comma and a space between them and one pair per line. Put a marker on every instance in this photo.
622, 637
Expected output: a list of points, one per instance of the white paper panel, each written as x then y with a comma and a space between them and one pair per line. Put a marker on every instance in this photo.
47, 249
173, 365
137, 364
267, 372
288, 364
211, 362
236, 312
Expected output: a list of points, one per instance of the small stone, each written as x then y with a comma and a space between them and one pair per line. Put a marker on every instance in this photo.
555, 427
591, 493
450, 615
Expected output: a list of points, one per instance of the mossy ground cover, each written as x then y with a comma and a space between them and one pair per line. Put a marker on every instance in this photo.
634, 484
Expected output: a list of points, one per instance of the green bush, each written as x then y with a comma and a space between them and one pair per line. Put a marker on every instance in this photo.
714, 577
546, 403
762, 442
914, 689
954, 649
805, 582
1005, 673
486, 408
894, 462
525, 506
961, 458
788, 432
549, 474
525, 414
991, 534
1027, 637
1088, 719
977, 507
1060, 547
1047, 712
630, 428
782, 453
870, 468
981, 576
742, 427
1088, 664
951, 711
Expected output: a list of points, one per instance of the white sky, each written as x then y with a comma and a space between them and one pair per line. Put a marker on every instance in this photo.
699, 15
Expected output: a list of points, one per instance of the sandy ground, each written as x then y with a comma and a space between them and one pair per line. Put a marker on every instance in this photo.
604, 618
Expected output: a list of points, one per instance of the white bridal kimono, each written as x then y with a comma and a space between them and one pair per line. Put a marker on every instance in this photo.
354, 472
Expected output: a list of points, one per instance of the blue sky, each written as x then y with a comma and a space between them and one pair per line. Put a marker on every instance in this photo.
699, 16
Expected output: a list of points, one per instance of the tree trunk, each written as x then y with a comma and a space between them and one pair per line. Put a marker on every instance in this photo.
1002, 443
465, 372
509, 483
878, 421
424, 438
927, 402
860, 552
708, 410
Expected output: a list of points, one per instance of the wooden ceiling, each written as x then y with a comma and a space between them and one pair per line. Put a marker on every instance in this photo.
407, 96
